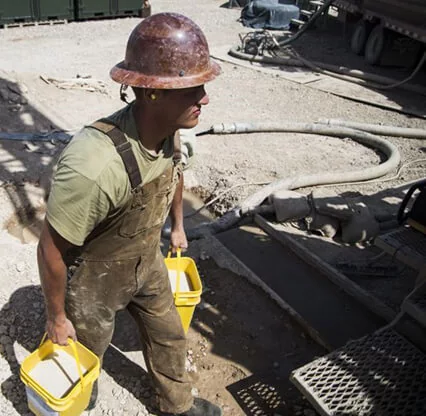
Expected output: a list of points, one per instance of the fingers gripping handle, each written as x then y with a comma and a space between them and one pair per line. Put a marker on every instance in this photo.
178, 268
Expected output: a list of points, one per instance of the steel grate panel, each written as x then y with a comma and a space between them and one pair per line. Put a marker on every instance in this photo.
412, 239
259, 392
406, 244
257, 396
379, 375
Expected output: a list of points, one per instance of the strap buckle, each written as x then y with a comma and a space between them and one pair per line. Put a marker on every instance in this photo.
123, 147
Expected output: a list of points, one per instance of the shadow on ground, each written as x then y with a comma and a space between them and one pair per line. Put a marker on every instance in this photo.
25, 165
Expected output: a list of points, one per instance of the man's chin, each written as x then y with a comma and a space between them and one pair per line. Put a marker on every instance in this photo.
189, 124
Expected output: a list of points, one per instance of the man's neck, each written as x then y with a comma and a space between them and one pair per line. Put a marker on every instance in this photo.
151, 128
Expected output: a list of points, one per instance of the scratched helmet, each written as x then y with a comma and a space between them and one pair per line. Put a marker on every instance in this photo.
166, 51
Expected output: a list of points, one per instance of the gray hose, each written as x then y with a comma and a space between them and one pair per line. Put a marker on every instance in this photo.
363, 78
405, 132
352, 75
252, 203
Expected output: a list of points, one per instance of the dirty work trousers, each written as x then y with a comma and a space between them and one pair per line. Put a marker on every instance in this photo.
98, 289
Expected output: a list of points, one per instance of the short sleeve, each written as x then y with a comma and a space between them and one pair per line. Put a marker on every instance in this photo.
76, 205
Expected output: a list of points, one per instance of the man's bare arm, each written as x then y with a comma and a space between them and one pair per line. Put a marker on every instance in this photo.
53, 276
177, 236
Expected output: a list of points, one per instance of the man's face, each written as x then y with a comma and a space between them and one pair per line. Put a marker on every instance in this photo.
182, 108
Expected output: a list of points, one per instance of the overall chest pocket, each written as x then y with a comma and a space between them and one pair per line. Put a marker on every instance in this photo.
148, 210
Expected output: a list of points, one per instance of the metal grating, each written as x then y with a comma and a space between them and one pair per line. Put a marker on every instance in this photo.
378, 375
406, 244
258, 396
413, 239
260, 392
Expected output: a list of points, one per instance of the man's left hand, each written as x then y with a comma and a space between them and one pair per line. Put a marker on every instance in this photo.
178, 240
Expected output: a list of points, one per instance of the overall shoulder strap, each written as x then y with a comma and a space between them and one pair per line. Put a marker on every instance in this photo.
177, 148
124, 149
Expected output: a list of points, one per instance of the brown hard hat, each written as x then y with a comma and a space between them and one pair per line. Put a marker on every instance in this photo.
166, 51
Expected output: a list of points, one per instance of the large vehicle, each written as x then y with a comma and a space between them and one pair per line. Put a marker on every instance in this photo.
379, 20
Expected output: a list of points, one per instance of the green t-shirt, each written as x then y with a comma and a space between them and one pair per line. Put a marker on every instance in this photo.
91, 181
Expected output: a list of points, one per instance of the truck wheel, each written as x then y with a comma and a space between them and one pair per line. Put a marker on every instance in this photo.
359, 37
375, 45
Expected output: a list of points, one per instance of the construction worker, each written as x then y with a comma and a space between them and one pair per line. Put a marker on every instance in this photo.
99, 250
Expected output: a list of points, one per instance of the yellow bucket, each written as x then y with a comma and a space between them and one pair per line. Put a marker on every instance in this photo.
46, 403
185, 301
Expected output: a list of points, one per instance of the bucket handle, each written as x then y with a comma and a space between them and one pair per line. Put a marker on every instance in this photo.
77, 358
178, 256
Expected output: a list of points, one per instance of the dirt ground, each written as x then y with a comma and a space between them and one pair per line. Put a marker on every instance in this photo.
242, 347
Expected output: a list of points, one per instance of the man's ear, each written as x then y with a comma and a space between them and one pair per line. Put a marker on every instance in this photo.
153, 95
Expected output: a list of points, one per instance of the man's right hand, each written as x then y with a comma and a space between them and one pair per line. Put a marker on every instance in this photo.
51, 251
58, 331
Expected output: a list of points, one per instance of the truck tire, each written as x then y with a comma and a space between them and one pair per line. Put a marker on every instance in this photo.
375, 46
359, 37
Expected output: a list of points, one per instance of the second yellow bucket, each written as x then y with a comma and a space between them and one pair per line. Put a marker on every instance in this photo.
185, 301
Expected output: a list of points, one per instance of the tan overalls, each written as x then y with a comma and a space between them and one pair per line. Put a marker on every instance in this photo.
120, 266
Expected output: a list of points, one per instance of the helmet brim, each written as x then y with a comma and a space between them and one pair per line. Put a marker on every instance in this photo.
119, 73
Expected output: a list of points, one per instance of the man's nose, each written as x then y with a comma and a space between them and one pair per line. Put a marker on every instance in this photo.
203, 98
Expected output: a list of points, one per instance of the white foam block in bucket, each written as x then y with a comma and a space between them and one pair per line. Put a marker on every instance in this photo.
184, 282
57, 373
